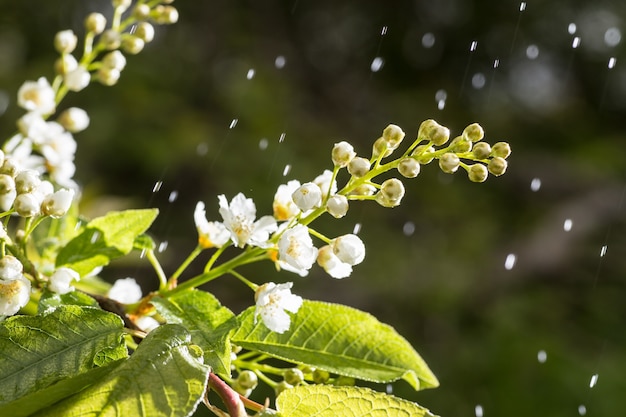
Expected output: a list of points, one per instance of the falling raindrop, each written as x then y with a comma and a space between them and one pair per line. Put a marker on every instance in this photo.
202, 149
567, 225
612, 62
250, 74
582, 410
428, 40
440, 98
593, 381
542, 356
281, 139
157, 186
389, 389
173, 196
383, 31
509, 262
532, 52
377, 64
286, 170
473, 46
478, 410
142, 254
576, 42
263, 144
162, 246
280, 62
603, 251
357, 228
94, 237
408, 229
522, 6
496, 63
612, 37
535, 184
233, 123
571, 28
479, 80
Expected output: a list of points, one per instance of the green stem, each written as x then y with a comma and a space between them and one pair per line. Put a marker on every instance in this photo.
157, 268
243, 279
193, 255
216, 255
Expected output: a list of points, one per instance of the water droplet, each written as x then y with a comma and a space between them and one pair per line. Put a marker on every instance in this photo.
612, 37
428, 40
478, 410
440, 98
593, 381
522, 6
173, 196
408, 229
510, 261
142, 254
612, 62
286, 170
263, 144
162, 246
377, 64
383, 31
202, 149
567, 225
496, 63
542, 356
250, 74
582, 410
233, 123
281, 139
473, 46
94, 237
576, 42
280, 62
571, 28
356, 229
157, 186
479, 80
389, 389
535, 184
532, 52
603, 251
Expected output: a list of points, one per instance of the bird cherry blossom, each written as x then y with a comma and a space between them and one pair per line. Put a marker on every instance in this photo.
239, 219
272, 303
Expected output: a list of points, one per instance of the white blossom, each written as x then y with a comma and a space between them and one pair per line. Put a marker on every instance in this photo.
14, 294
77, 79
210, 234
337, 206
239, 218
323, 181
295, 248
61, 279
57, 204
349, 249
307, 196
147, 323
272, 303
37, 96
333, 266
10, 268
283, 205
125, 291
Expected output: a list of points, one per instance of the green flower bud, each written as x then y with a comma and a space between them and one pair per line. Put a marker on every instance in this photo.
481, 150
141, 12
7, 184
281, 386
132, 44
342, 154
449, 162
381, 147
64, 64
344, 381
247, 379
392, 189
115, 60
65, 41
145, 31
320, 376
108, 76
460, 145
122, 4
364, 189
477, 173
165, 15
337, 206
409, 167
497, 166
473, 132
111, 39
432, 131
393, 135
423, 153
501, 149
358, 167
95, 23
293, 376
9, 167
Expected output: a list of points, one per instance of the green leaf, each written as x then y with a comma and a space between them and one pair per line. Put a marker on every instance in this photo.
331, 401
38, 351
341, 340
209, 322
144, 242
105, 238
162, 378
49, 300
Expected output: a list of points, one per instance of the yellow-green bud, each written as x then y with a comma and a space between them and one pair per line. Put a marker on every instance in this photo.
358, 167
293, 376
247, 379
111, 39
281, 386
409, 167
345, 381
337, 206
114, 59
7, 184
477, 173
342, 154
108, 76
66, 63
460, 145
364, 189
65, 41
434, 132
481, 150
424, 154
449, 162
95, 23
141, 12
132, 44
9, 167
473, 132
122, 4
320, 376
391, 193
497, 166
165, 14
381, 147
501, 149
145, 31
393, 135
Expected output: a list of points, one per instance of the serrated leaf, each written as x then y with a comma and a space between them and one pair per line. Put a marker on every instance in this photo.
144, 242
162, 378
209, 322
38, 351
331, 401
105, 238
49, 300
341, 340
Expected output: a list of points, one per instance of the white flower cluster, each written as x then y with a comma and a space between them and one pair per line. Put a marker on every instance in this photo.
14, 286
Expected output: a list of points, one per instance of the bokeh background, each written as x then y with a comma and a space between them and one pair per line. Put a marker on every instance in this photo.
512, 290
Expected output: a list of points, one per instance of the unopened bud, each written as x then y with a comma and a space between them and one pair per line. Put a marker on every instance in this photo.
141, 11
307, 196
293, 376
393, 135
108, 76
74, 119
77, 79
64, 64
337, 206
247, 379
165, 15
95, 23
477, 173
381, 147
132, 44
497, 166
122, 4
424, 154
111, 39
358, 167
460, 145
432, 131
449, 162
26, 205
7, 184
501, 149
473, 132
409, 167
481, 150
57, 204
65, 41
27, 181
342, 154
114, 59
392, 190
145, 31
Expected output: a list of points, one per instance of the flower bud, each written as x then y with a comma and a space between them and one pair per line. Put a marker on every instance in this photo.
501, 149
473, 132
497, 166
165, 15
337, 206
393, 135
61, 279
481, 150
14, 295
9, 167
74, 119
38, 96
108, 76
424, 154
477, 173
358, 167
111, 39
460, 145
145, 31
26, 205
114, 60
27, 181
141, 11
247, 379
95, 23
432, 131
281, 386
132, 44
7, 184
10, 268
381, 147
122, 4
449, 162
392, 190
77, 79
349, 249
293, 376
320, 376
342, 154
57, 204
307, 196
7, 200
409, 167
65, 41
66, 63
364, 189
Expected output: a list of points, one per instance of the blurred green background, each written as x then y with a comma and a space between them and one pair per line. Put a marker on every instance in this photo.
202, 111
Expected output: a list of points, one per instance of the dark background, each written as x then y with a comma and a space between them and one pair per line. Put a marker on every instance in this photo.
435, 267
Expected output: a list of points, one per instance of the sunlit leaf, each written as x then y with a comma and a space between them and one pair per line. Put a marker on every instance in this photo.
38, 351
331, 401
162, 378
50, 301
209, 322
105, 238
341, 340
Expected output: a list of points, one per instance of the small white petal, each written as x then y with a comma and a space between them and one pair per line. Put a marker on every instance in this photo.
61, 279
125, 291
